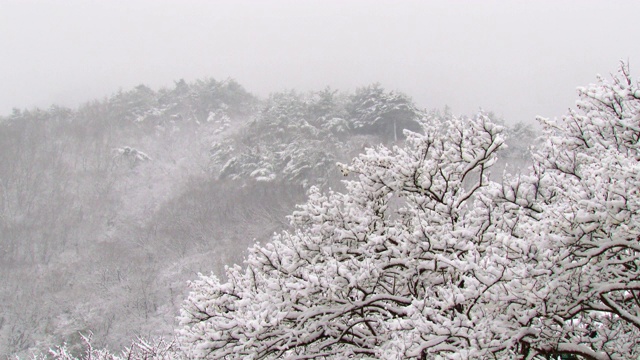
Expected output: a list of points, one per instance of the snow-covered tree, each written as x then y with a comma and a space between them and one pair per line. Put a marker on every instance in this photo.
287, 141
140, 349
376, 111
394, 267
579, 211
423, 257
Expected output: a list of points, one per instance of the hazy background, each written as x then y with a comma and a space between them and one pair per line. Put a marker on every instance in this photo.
519, 59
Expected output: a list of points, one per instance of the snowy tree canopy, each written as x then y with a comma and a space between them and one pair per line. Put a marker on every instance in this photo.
373, 110
422, 256
300, 136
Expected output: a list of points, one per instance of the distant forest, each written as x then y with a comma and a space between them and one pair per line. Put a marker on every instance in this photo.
109, 209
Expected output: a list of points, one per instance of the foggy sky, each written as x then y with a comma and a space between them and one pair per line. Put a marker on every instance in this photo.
519, 59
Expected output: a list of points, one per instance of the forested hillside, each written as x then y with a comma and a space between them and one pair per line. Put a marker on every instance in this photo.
107, 210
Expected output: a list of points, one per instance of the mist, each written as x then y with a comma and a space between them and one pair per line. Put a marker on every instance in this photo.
518, 59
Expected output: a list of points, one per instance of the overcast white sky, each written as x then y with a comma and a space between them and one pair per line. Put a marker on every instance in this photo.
517, 58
